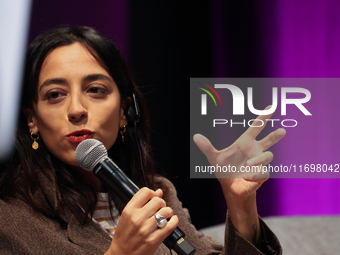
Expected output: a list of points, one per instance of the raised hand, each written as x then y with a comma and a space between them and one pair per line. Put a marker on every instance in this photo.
245, 151
239, 188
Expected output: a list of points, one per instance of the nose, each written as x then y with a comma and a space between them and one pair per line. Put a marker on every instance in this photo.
77, 112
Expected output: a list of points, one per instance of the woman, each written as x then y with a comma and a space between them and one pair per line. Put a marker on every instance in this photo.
77, 86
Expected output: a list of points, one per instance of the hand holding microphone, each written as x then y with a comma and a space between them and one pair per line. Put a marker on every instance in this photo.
138, 229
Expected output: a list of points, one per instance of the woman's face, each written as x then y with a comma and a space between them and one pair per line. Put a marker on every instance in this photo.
77, 99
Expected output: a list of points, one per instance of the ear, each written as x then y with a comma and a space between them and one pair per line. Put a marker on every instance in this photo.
31, 120
125, 103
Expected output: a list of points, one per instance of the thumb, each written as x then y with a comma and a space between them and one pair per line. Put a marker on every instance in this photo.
204, 145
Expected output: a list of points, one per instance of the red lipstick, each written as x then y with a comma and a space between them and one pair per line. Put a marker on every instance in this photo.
79, 135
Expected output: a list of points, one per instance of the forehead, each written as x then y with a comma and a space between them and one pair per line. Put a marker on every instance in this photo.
70, 61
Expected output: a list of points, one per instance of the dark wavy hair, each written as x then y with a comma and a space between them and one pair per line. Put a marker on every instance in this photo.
18, 177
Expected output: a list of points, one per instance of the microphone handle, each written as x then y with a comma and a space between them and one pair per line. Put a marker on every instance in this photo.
116, 180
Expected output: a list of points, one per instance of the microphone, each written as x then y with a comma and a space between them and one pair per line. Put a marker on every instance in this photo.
91, 155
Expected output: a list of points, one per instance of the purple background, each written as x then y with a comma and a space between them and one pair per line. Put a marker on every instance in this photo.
166, 43
307, 45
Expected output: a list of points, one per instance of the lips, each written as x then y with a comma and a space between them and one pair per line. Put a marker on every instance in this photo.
79, 135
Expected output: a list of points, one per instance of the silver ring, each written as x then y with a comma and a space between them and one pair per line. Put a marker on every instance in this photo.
161, 222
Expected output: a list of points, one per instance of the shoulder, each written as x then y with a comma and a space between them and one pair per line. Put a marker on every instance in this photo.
163, 183
18, 226
16, 217
20, 221
168, 188
13, 209
27, 231
170, 196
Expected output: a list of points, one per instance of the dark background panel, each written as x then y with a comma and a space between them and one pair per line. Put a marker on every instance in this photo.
171, 43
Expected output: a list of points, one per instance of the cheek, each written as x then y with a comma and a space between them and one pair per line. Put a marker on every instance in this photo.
112, 122
44, 127
49, 122
108, 122
51, 133
51, 127
108, 115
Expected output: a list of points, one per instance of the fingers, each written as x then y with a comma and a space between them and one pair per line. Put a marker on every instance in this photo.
159, 193
261, 160
150, 229
258, 178
143, 207
204, 145
258, 163
154, 205
138, 224
168, 228
272, 138
143, 196
166, 213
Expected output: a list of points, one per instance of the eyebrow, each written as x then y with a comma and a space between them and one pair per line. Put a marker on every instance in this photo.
94, 77
63, 81
53, 81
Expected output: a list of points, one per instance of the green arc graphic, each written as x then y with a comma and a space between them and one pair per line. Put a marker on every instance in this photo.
209, 95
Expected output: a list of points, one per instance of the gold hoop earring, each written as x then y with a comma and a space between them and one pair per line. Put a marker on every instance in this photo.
122, 133
35, 145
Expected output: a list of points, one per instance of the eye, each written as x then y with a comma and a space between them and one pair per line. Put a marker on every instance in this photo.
54, 96
97, 91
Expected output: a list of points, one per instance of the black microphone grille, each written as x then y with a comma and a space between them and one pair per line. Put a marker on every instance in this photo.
89, 153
